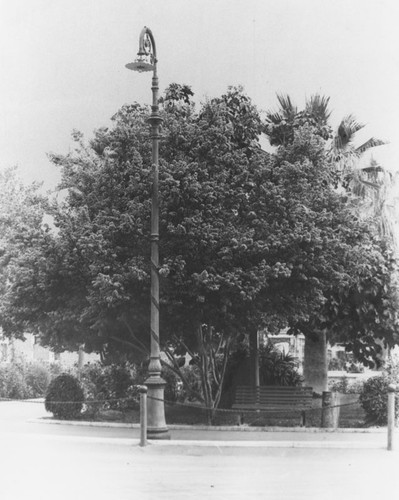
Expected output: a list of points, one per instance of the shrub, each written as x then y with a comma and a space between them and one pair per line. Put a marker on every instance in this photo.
374, 399
109, 386
64, 398
37, 378
12, 382
118, 379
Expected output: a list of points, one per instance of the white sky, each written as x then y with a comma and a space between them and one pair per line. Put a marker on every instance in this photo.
62, 63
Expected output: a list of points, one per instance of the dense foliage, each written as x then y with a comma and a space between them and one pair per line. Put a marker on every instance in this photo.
248, 240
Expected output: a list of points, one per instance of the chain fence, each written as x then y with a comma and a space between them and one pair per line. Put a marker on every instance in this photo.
201, 409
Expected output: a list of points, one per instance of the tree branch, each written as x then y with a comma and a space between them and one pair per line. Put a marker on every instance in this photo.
126, 342
133, 335
223, 371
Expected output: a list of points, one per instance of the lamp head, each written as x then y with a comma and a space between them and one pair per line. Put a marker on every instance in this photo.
146, 57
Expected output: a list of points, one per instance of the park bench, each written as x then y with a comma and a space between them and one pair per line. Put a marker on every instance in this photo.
266, 397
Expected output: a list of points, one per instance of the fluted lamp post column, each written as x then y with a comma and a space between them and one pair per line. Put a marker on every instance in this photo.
156, 429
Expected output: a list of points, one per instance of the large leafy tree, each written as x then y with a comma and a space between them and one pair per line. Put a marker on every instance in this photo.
248, 239
87, 280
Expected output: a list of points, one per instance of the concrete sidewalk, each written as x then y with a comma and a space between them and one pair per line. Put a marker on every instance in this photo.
40, 460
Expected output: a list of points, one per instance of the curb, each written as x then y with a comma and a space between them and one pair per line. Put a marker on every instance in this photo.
241, 428
205, 446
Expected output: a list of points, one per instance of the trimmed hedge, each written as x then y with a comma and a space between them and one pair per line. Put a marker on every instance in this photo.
64, 398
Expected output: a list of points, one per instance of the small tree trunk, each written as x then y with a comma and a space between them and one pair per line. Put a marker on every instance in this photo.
254, 358
315, 363
204, 371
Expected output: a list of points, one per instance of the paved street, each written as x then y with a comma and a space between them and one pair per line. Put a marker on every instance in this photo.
43, 461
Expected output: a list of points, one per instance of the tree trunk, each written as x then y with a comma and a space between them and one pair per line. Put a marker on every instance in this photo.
81, 359
383, 355
315, 368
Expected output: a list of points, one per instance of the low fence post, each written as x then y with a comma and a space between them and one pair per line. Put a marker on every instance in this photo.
337, 408
391, 416
330, 410
143, 414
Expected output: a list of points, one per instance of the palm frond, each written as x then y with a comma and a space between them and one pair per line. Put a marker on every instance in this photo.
351, 124
346, 131
317, 106
287, 108
371, 143
369, 184
275, 118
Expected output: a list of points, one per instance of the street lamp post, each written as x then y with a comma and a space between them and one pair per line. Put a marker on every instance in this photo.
147, 61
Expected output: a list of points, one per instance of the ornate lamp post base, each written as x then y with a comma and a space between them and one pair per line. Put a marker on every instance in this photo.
156, 424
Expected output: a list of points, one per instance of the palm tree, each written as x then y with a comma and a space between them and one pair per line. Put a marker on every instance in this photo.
280, 125
369, 185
